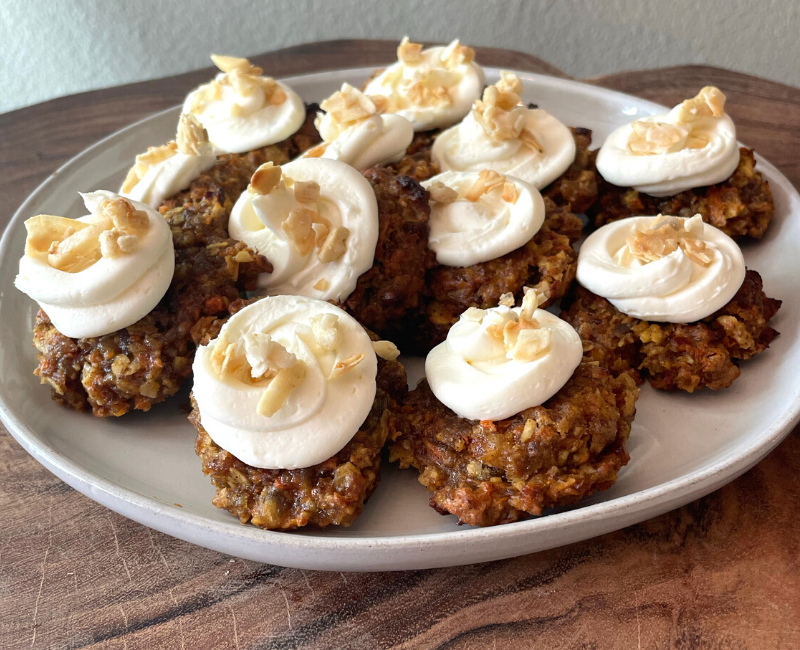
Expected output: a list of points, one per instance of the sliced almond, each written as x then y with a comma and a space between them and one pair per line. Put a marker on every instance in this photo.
279, 389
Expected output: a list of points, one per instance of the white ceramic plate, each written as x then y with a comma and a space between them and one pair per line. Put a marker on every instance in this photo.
143, 465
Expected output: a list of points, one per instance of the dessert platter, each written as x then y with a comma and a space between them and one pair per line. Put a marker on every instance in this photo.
420, 316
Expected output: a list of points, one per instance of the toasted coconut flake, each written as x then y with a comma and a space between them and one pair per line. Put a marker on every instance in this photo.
507, 300
441, 193
317, 152
381, 103
530, 344
298, 226
408, 52
243, 257
335, 245
344, 366
306, 191
476, 315
456, 54
529, 140
44, 230
510, 193
279, 389
709, 102
665, 235
322, 285
191, 135
144, 161
326, 330
528, 430
265, 179
530, 303
347, 106
386, 350
235, 64
495, 111
487, 181
78, 251
651, 138
509, 83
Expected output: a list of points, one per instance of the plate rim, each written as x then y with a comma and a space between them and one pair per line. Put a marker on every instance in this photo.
621, 511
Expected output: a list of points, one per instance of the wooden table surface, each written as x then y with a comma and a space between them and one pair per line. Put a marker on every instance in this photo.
722, 572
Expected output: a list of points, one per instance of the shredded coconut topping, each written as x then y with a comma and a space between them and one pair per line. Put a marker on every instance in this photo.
522, 337
665, 235
652, 138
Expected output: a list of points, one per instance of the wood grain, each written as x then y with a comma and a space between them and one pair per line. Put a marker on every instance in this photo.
719, 573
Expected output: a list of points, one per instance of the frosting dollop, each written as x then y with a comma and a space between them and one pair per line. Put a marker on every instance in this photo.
498, 362
99, 273
242, 110
315, 220
166, 170
287, 383
693, 145
668, 269
501, 134
431, 88
356, 133
480, 216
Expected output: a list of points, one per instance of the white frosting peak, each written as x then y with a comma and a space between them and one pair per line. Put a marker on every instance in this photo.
318, 245
163, 171
431, 88
483, 216
243, 110
502, 135
355, 133
99, 273
287, 383
667, 269
498, 362
694, 145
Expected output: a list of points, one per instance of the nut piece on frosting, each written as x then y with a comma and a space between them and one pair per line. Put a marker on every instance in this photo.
304, 225
665, 235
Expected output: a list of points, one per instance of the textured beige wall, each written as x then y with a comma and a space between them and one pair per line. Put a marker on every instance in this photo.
50, 48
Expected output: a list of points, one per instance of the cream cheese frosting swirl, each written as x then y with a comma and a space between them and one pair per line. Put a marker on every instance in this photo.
315, 220
694, 145
287, 383
501, 134
99, 273
354, 132
480, 216
664, 269
243, 110
498, 362
431, 88
163, 171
